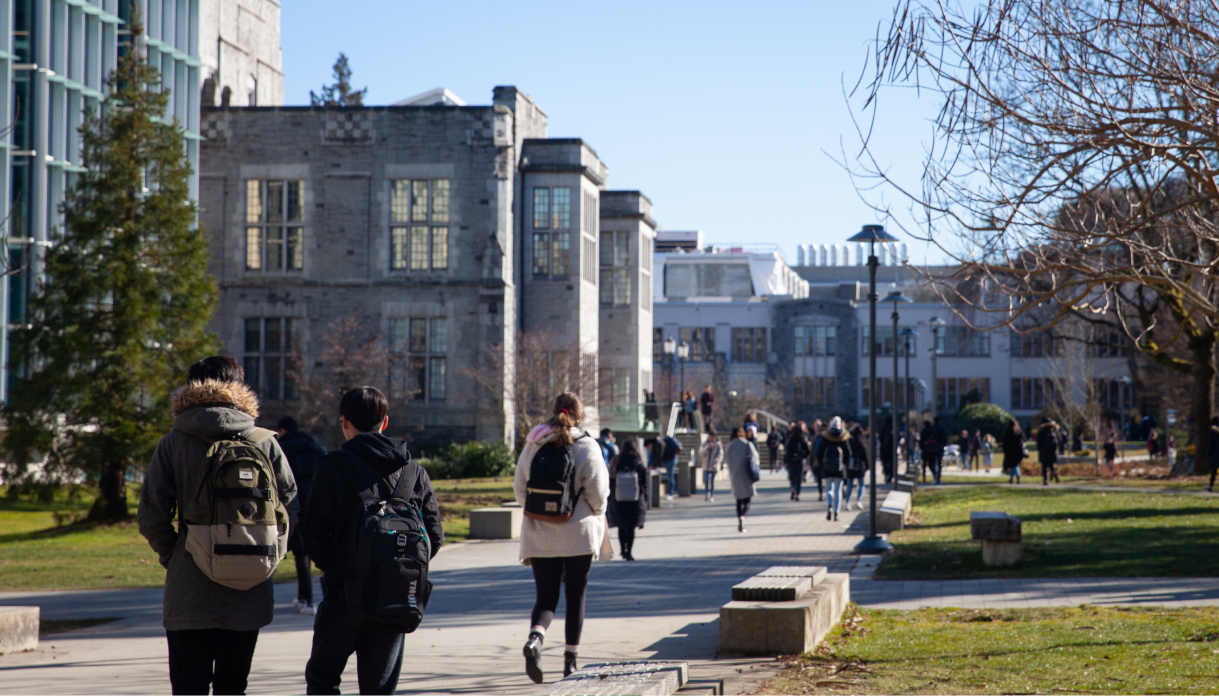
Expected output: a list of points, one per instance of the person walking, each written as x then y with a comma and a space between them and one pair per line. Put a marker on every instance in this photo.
888, 451
751, 427
988, 451
211, 628
628, 497
303, 456
1013, 450
561, 550
795, 454
975, 450
1047, 450
706, 404
925, 449
939, 441
369, 466
609, 448
772, 446
817, 433
1153, 445
1111, 454
670, 448
857, 467
711, 454
690, 405
742, 459
1212, 453
835, 455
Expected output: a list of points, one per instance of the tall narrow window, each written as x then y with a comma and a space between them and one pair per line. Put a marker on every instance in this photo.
419, 349
541, 254
269, 356
541, 209
561, 254
417, 242
560, 205
552, 251
275, 235
615, 268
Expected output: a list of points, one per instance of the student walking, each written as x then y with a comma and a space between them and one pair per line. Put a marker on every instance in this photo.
563, 532
1013, 450
835, 456
742, 463
772, 446
1047, 450
357, 487
1212, 452
856, 468
628, 497
711, 454
816, 434
796, 455
211, 618
303, 456
751, 427
706, 404
939, 441
689, 405
1111, 454
988, 451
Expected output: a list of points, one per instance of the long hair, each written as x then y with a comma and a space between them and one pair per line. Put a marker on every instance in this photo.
798, 431
629, 447
568, 413
1013, 428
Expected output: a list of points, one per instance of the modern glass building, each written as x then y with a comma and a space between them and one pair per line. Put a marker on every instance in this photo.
55, 56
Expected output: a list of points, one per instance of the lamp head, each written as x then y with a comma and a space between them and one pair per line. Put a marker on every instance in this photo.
669, 345
683, 350
908, 332
872, 234
935, 323
895, 297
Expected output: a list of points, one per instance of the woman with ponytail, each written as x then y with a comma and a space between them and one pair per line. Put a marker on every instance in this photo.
560, 548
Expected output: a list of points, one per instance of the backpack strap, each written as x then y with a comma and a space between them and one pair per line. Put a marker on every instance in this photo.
258, 435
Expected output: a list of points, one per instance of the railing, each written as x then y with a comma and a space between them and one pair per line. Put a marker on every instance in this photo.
771, 419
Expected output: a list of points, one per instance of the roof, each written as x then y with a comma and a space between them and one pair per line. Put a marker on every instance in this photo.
440, 95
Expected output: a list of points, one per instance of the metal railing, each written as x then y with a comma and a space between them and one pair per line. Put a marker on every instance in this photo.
771, 419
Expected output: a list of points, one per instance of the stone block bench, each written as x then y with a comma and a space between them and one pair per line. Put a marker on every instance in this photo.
906, 482
496, 523
18, 629
784, 627
1000, 534
893, 512
635, 678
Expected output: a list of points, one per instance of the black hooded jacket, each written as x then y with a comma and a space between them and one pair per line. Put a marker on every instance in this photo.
303, 456
331, 500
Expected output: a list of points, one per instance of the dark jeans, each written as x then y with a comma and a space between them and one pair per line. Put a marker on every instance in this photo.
774, 459
378, 654
550, 575
210, 658
304, 581
742, 506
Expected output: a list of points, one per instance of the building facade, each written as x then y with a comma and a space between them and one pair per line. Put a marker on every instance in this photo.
241, 56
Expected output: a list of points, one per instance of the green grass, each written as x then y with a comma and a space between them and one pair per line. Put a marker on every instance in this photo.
1012, 651
458, 497
1066, 533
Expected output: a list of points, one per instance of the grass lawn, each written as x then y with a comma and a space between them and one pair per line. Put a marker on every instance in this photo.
1066, 533
1012, 651
45, 546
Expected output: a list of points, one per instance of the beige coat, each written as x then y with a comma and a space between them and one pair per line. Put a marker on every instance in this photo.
586, 531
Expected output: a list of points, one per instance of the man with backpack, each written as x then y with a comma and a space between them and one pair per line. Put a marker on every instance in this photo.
670, 448
373, 527
303, 456
230, 487
609, 449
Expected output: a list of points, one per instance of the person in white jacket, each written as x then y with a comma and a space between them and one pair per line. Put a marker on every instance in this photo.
561, 549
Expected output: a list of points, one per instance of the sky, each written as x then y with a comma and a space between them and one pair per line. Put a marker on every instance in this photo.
731, 117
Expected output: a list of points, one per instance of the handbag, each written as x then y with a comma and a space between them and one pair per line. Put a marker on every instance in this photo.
755, 469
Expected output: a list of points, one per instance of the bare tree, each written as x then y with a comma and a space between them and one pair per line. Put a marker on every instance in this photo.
351, 356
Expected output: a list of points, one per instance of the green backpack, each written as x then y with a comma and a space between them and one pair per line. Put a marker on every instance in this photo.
237, 527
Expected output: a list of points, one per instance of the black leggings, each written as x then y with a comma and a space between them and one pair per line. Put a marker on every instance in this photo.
742, 506
626, 538
549, 574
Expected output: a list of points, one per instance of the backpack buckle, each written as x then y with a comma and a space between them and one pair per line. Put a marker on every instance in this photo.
401, 540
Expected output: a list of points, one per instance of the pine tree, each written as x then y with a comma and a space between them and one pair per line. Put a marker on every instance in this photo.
122, 311
340, 93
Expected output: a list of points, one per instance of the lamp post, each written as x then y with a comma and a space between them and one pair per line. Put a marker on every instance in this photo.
1125, 382
670, 347
936, 324
872, 234
906, 334
683, 354
895, 297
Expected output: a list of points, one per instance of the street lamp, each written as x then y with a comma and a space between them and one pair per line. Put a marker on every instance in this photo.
872, 235
1125, 382
936, 324
895, 297
907, 334
683, 354
670, 347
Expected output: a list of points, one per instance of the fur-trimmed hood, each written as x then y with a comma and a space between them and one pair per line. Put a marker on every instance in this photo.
213, 392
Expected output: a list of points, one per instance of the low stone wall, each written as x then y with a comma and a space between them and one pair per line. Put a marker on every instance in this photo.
784, 628
18, 629
642, 678
496, 523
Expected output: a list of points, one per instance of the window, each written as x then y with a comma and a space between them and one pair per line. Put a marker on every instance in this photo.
1110, 344
701, 342
275, 236
552, 250
552, 208
658, 337
816, 391
886, 391
616, 384
1034, 393
886, 342
419, 348
954, 392
588, 260
962, 342
615, 268
817, 340
590, 214
269, 356
1109, 393
749, 345
1034, 345
418, 218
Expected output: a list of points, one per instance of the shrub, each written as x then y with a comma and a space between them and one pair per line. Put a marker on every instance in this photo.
475, 459
988, 418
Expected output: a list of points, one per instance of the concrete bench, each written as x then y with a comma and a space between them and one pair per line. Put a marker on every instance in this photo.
18, 629
1000, 534
643, 678
496, 523
784, 628
779, 584
893, 511
906, 482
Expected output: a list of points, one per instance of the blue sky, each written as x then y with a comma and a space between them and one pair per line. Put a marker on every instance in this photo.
725, 114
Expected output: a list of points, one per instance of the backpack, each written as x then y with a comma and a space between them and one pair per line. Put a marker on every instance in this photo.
385, 551
626, 487
237, 527
831, 460
672, 448
550, 493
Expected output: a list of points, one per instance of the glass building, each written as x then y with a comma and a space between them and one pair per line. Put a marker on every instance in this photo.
55, 56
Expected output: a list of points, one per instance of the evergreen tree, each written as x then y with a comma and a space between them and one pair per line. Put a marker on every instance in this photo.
340, 93
122, 311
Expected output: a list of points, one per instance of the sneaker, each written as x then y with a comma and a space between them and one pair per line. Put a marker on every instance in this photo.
713, 499
533, 658
668, 497
304, 607
835, 517
829, 515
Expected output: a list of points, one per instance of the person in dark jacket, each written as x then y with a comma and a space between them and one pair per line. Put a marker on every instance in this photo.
303, 456
1047, 450
772, 445
835, 456
628, 515
795, 456
1013, 450
939, 441
926, 447
1212, 452
211, 629
364, 414
887, 451
857, 467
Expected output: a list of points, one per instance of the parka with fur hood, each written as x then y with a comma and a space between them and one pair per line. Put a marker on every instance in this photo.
204, 412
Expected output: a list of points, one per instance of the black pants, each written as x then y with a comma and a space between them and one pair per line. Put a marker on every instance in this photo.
1213, 472
626, 538
210, 658
774, 459
549, 575
742, 506
378, 654
1049, 471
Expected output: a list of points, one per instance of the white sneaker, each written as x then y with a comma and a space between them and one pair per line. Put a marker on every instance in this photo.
303, 607
668, 497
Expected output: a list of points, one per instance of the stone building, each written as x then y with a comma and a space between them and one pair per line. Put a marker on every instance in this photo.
446, 230
240, 53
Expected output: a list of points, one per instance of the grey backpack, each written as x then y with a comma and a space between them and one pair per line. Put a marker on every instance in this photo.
626, 487
237, 527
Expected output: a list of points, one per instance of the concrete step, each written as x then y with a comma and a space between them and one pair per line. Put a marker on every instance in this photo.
642, 678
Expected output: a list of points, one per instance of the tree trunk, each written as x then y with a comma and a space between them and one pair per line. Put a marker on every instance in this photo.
111, 503
1201, 346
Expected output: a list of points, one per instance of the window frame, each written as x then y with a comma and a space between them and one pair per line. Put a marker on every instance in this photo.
614, 270
552, 231
260, 363
420, 222
288, 226
419, 351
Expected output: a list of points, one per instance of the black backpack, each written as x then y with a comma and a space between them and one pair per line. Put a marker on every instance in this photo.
385, 551
831, 460
550, 493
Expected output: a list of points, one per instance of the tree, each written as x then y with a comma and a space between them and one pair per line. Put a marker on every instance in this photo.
340, 93
122, 311
988, 418
351, 357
